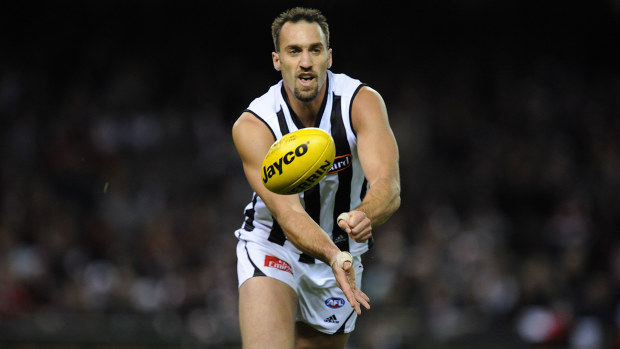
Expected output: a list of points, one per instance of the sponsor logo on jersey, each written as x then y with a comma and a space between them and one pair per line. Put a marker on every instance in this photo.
340, 163
334, 302
274, 262
270, 171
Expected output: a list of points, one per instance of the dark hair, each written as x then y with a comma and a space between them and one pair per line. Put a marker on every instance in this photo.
295, 15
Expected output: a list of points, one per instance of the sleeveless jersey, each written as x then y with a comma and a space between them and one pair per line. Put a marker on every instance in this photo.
340, 191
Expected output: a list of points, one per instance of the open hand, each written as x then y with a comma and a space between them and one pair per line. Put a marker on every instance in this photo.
345, 276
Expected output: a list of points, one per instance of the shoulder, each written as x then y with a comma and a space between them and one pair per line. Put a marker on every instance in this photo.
343, 84
249, 125
261, 114
252, 138
269, 103
368, 109
367, 95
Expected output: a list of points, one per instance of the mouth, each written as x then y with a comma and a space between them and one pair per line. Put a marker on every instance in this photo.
306, 79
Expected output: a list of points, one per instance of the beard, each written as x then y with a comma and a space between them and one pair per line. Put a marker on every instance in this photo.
306, 96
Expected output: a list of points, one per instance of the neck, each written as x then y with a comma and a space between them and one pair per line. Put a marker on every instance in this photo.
306, 111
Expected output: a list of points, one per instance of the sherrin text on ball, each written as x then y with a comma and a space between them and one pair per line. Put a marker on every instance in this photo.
298, 161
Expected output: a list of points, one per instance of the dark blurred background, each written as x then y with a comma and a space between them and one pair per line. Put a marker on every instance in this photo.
120, 188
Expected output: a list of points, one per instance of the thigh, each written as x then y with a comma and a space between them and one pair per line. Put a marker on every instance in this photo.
267, 310
307, 337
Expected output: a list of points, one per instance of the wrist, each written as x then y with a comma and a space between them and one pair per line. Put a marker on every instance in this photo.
340, 258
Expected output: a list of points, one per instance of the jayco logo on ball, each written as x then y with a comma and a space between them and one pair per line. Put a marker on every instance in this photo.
270, 170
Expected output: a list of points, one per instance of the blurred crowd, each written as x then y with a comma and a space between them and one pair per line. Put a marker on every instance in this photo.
510, 218
120, 191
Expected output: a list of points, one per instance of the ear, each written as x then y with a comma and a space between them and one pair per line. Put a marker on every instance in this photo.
275, 57
329, 60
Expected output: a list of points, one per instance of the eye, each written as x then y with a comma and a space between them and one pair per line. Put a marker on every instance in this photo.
316, 49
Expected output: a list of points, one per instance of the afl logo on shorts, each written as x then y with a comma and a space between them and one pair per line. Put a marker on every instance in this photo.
334, 302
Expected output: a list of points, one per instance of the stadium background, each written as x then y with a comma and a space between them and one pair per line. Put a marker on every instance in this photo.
120, 188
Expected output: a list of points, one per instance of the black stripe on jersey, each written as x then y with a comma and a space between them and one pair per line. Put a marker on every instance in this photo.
282, 122
248, 224
343, 195
351, 107
277, 234
264, 122
306, 258
312, 201
257, 272
364, 188
296, 118
341, 329
312, 196
371, 241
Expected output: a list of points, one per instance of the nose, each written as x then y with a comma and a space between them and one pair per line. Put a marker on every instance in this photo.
305, 60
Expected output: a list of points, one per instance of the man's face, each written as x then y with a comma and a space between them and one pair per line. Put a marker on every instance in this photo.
303, 59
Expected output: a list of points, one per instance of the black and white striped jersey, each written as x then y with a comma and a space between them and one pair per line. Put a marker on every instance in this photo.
340, 191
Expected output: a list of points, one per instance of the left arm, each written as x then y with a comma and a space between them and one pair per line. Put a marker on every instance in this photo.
378, 153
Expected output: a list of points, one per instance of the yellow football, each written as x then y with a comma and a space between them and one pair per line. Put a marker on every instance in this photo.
298, 161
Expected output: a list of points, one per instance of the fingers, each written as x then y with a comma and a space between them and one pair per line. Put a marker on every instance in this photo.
343, 283
342, 221
362, 299
356, 225
346, 281
359, 296
353, 301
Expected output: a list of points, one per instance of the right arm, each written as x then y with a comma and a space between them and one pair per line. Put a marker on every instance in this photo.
252, 139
